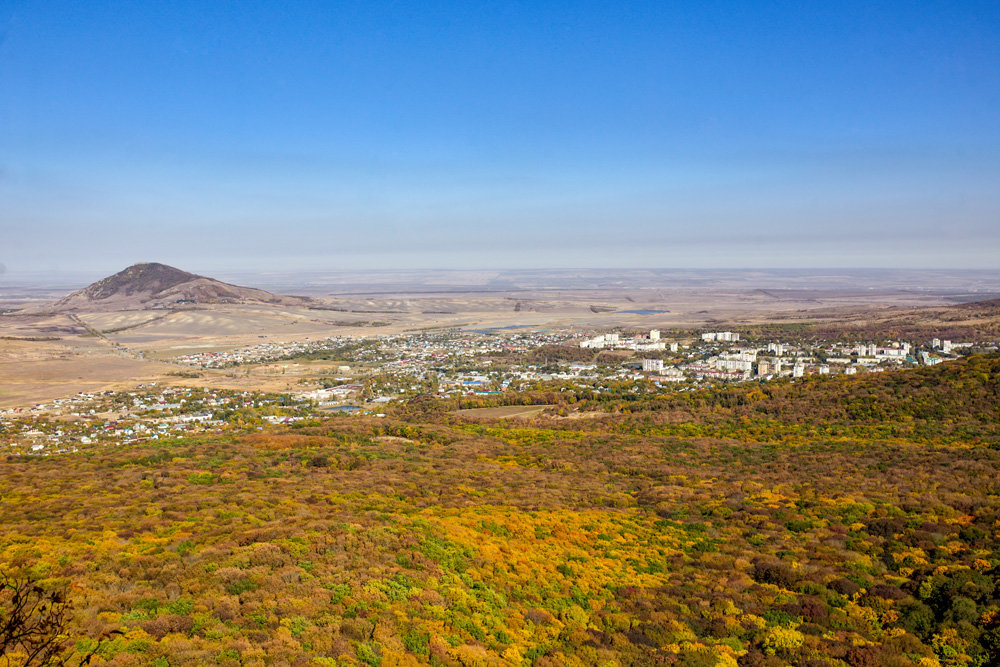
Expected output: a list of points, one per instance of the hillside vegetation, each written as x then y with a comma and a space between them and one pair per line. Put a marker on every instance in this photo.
848, 521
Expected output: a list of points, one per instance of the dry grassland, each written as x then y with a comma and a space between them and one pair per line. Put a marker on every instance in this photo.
504, 412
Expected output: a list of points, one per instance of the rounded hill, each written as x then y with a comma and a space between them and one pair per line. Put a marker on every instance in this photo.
153, 285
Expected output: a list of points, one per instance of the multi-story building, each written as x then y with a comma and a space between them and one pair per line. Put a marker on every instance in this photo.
652, 365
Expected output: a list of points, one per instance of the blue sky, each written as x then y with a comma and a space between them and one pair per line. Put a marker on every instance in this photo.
499, 134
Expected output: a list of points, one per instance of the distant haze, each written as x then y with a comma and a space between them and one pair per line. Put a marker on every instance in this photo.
356, 135
954, 285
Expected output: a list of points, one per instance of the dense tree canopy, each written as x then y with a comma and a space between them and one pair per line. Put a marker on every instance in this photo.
852, 521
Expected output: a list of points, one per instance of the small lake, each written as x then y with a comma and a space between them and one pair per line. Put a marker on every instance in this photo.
644, 312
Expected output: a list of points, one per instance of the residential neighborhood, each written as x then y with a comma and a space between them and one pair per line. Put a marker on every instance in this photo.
372, 373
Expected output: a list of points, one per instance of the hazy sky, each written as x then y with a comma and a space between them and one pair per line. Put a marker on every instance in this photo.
499, 134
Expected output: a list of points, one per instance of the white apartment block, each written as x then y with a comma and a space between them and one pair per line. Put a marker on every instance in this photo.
721, 336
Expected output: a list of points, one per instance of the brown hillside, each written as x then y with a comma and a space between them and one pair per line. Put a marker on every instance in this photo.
153, 285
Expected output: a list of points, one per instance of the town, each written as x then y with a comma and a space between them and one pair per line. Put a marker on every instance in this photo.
455, 362
370, 374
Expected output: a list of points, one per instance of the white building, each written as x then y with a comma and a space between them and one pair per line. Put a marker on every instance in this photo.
928, 360
721, 336
865, 350
724, 364
652, 365
669, 375
743, 355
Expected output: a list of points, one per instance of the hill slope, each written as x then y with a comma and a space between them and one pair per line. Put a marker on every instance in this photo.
546, 542
152, 285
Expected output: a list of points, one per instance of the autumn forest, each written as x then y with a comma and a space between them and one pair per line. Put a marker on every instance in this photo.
822, 522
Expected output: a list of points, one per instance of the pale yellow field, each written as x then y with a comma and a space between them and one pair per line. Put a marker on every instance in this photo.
37, 372
504, 412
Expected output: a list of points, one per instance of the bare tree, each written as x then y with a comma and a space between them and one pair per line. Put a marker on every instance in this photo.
32, 620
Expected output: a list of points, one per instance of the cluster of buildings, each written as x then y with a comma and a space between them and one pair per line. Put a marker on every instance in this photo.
721, 337
946, 346
149, 412
327, 395
777, 359
614, 341
451, 363
459, 363
253, 354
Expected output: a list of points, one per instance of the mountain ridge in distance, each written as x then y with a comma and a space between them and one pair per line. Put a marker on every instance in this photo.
150, 285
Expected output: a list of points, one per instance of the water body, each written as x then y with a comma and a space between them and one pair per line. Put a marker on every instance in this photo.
644, 312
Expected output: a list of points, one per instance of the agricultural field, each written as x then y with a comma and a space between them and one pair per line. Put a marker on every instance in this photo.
833, 521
